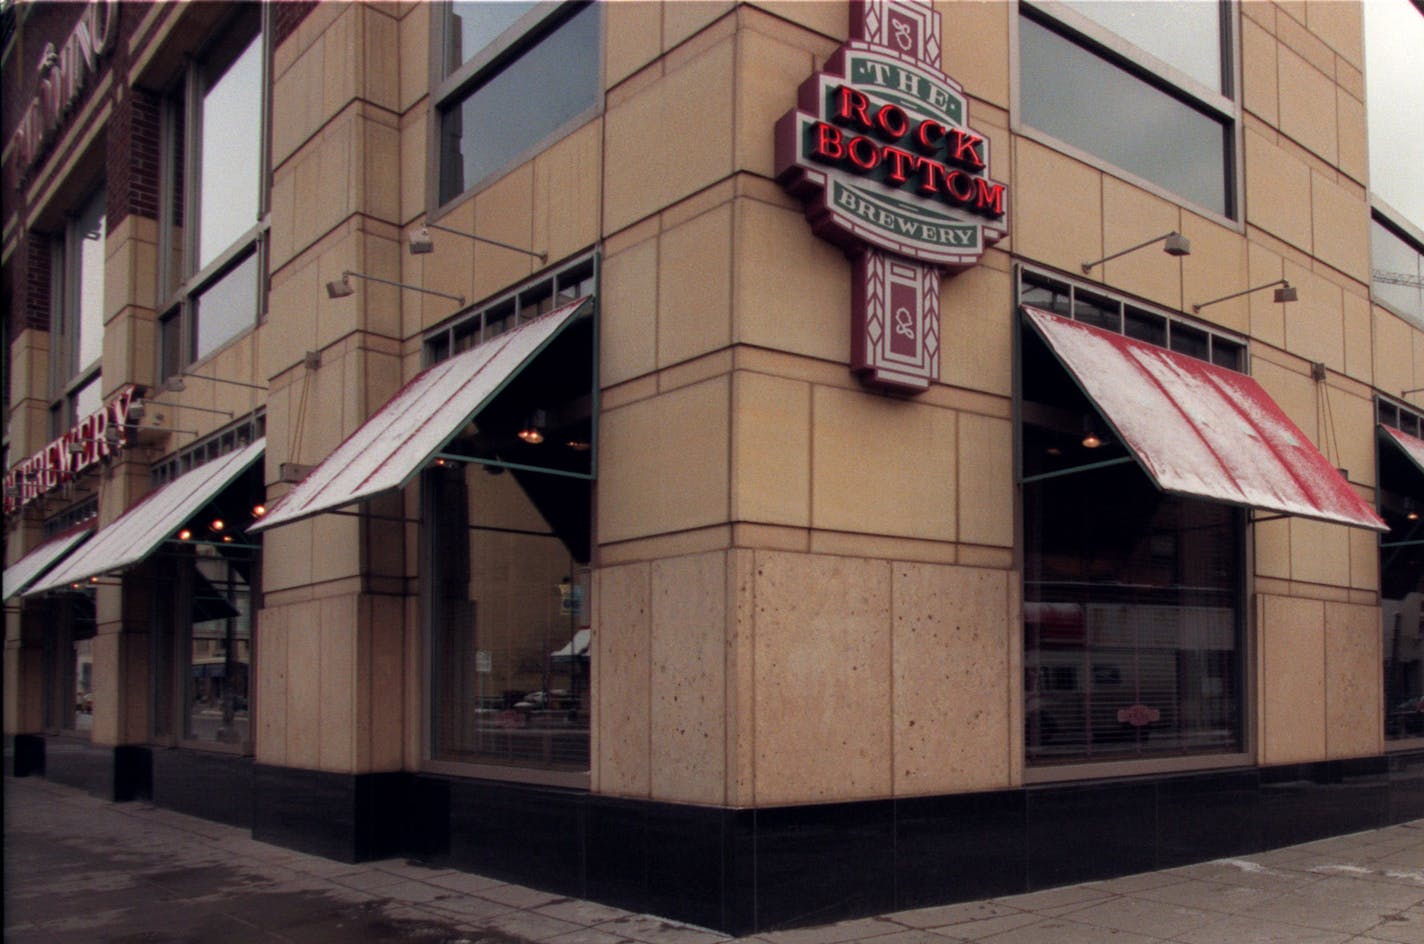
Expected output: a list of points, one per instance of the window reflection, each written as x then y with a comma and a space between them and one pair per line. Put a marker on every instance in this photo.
1402, 580
230, 155
508, 535
1108, 112
536, 95
89, 244
227, 307
1394, 95
474, 24
221, 657
1132, 625
1184, 35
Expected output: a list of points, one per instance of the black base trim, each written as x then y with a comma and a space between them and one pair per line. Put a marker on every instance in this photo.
752, 871
121, 774
208, 784
28, 755
348, 817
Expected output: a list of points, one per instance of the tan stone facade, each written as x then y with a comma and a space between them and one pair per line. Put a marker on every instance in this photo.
804, 591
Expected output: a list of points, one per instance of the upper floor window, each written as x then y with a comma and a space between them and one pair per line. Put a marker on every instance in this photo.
516, 75
1145, 87
77, 300
215, 168
1394, 92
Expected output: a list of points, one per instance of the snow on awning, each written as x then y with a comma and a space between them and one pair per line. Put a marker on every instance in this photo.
394, 444
145, 526
1409, 445
32, 566
1201, 430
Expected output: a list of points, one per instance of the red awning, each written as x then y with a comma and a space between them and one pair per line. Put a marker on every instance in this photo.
1409, 445
1202, 430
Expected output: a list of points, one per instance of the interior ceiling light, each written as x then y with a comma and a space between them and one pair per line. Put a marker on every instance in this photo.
185, 534
1173, 244
533, 430
259, 510
217, 524
1091, 439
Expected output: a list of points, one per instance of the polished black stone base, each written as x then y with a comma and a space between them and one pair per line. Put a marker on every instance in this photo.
749, 871
203, 783
27, 754
351, 818
120, 773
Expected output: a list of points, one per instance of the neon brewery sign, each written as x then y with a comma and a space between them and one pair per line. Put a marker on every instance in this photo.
63, 74
94, 439
880, 149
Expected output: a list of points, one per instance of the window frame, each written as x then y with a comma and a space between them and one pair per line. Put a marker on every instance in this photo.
439, 343
1069, 771
69, 377
1394, 222
1222, 106
451, 85
182, 283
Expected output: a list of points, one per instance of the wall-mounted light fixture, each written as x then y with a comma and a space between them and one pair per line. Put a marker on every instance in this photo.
1174, 244
342, 287
420, 242
1285, 292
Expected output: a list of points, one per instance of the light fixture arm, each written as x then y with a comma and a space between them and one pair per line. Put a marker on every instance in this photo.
458, 299
541, 256
1177, 245
1283, 283
176, 388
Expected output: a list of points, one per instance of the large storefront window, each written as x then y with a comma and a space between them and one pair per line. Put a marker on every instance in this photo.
68, 656
1132, 619
1150, 97
508, 533
530, 70
215, 165
1401, 491
1132, 609
206, 584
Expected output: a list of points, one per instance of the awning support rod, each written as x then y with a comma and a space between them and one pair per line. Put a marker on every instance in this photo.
520, 467
1106, 463
1414, 543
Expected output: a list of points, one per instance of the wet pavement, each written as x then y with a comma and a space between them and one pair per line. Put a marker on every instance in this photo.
78, 868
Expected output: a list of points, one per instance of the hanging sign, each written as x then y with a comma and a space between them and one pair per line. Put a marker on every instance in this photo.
880, 148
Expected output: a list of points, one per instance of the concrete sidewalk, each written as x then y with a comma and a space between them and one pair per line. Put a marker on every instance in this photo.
78, 868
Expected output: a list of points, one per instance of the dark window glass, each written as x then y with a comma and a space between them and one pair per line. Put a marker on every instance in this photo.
508, 583
1047, 294
1100, 312
1228, 354
1402, 585
1190, 341
1132, 621
552, 83
1109, 112
1145, 326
